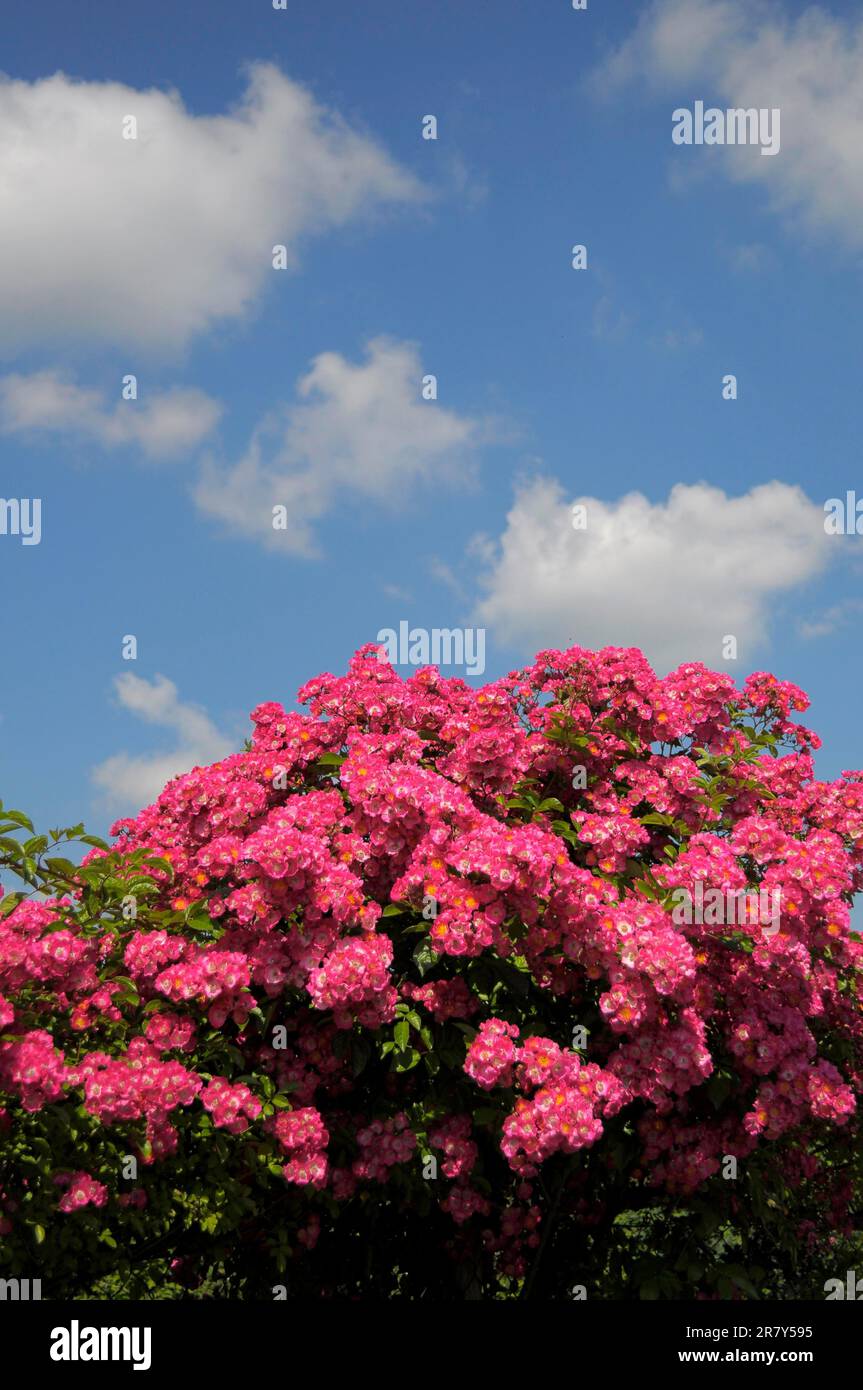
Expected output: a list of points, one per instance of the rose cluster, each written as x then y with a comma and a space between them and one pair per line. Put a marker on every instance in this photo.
398, 924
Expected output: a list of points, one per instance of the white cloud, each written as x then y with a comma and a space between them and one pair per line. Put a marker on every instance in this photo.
150, 241
128, 782
674, 339
162, 424
752, 53
671, 577
444, 574
357, 431
748, 257
831, 619
671, 39
610, 322
394, 591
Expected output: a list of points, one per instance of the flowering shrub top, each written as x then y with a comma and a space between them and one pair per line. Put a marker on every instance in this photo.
416, 952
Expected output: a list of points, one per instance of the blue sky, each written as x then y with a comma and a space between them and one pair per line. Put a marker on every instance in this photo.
410, 256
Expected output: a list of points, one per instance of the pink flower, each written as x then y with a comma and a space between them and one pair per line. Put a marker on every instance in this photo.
82, 1190
491, 1055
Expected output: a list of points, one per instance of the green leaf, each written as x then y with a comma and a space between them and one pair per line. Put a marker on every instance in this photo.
718, 1089
165, 865
465, 1028
361, 1051
35, 845
424, 958
62, 866
205, 924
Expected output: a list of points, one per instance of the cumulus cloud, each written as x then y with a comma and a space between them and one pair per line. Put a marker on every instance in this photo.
356, 431
162, 424
752, 53
149, 241
672, 577
127, 782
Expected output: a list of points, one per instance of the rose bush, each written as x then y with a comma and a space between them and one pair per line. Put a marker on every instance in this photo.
395, 1003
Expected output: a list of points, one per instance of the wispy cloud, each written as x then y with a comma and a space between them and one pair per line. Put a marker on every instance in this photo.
837, 616
163, 424
610, 322
749, 258
677, 339
129, 782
